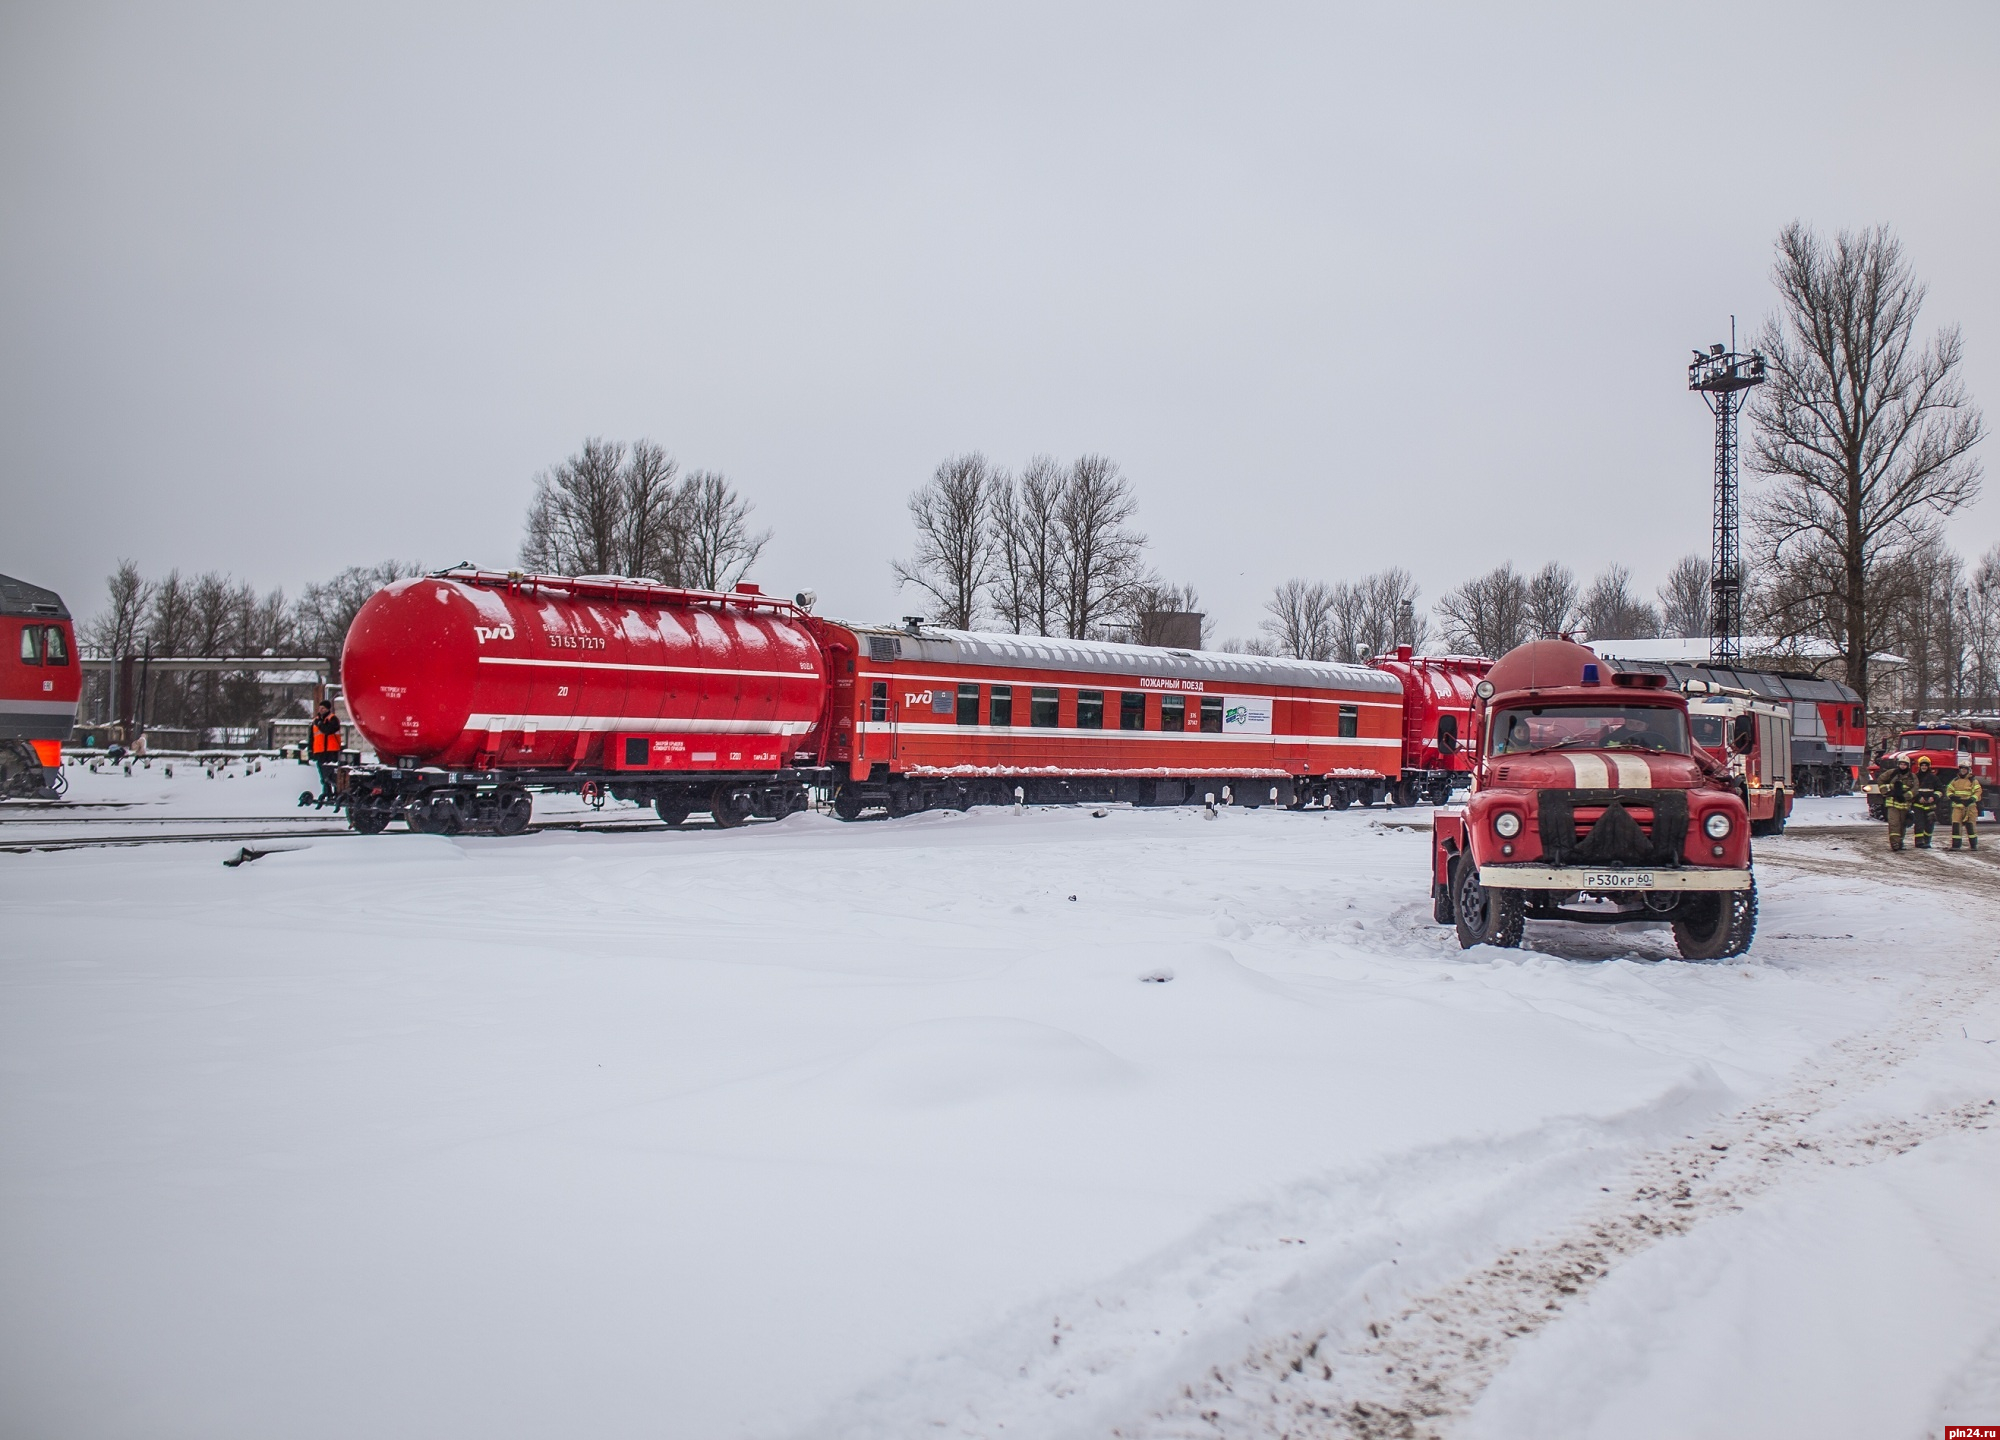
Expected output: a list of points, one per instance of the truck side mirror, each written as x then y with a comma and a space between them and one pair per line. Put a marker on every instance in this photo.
1743, 734
1447, 734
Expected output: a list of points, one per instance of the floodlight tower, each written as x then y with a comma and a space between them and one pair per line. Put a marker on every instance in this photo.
1720, 377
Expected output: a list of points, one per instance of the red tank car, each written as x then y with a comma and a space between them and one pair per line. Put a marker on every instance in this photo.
474, 686
922, 717
1437, 719
40, 681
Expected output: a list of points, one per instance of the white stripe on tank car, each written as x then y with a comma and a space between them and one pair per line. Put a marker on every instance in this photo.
649, 669
38, 707
483, 724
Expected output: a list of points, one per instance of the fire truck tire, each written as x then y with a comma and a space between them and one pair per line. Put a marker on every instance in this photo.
1482, 916
1717, 925
1441, 910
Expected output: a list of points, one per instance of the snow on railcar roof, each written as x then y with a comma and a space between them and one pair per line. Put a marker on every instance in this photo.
18, 597
935, 645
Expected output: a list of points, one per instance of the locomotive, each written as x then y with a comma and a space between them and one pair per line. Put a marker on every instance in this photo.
40, 681
475, 688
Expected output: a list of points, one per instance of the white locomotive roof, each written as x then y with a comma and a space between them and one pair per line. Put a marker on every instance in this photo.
935, 646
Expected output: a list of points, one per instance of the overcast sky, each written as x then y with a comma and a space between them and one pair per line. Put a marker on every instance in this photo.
283, 290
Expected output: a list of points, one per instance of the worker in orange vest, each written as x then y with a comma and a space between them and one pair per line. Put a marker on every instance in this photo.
326, 745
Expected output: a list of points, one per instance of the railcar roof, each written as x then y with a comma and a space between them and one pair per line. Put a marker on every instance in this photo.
18, 597
936, 646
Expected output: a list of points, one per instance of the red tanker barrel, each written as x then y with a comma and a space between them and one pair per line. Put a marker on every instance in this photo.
1434, 686
472, 669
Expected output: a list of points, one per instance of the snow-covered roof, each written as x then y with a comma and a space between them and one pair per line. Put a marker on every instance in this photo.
1694, 650
933, 645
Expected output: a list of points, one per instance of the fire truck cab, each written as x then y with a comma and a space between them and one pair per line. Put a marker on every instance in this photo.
1753, 736
1592, 802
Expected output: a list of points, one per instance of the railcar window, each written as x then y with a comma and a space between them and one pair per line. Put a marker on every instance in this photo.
31, 644
878, 700
968, 704
56, 651
1132, 710
1090, 709
1350, 721
1173, 712
1860, 719
1042, 707
1001, 706
1211, 714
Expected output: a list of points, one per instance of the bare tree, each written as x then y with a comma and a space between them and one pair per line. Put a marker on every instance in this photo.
1610, 611
955, 544
1552, 601
652, 528
1488, 615
1685, 600
1101, 554
115, 630
325, 610
1865, 434
1982, 631
1300, 622
1373, 615
577, 520
1027, 590
721, 547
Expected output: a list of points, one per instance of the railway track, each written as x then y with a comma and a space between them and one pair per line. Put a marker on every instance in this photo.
244, 830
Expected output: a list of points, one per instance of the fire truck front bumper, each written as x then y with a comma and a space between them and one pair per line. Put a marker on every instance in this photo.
1600, 879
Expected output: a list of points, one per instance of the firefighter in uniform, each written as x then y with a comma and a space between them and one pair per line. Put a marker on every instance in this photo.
325, 745
1963, 795
1924, 802
1897, 792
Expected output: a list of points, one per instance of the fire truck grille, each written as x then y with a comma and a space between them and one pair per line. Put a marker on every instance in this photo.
1613, 827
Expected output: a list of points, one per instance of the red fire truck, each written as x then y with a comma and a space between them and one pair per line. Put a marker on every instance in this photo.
1967, 739
1592, 803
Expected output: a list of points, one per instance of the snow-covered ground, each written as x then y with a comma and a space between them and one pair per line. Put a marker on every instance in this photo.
1052, 1124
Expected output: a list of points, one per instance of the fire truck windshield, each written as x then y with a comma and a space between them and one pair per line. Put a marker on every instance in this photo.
1928, 740
1589, 727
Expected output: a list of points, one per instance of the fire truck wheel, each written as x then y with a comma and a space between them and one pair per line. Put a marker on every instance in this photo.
1484, 917
1717, 925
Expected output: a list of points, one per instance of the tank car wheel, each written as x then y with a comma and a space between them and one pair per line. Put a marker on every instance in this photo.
1482, 916
1716, 924
846, 805
673, 812
371, 814
516, 810
730, 806
440, 813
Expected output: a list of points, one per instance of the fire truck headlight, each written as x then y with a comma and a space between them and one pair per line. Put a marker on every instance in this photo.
1717, 825
1506, 824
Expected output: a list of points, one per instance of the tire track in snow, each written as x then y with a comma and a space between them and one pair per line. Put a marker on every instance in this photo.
1411, 1374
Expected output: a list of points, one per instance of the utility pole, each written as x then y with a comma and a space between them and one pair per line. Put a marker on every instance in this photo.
1720, 377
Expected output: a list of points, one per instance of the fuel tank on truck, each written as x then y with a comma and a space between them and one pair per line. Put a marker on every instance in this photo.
470, 669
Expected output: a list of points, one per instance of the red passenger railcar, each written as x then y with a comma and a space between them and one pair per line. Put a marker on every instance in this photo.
40, 681
921, 717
